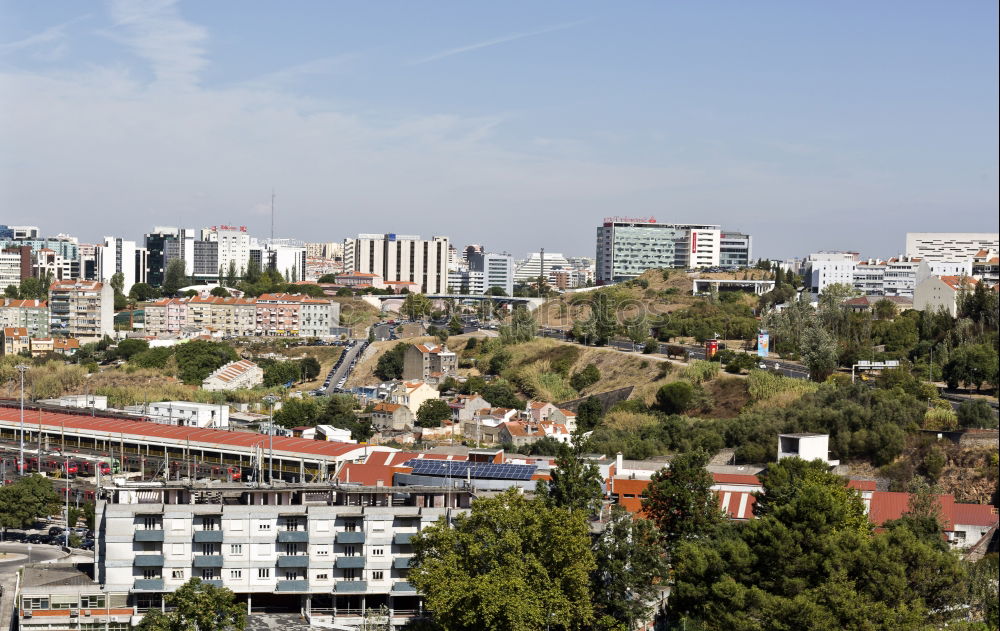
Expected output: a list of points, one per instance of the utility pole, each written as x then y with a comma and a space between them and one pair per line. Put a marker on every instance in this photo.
270, 399
21, 368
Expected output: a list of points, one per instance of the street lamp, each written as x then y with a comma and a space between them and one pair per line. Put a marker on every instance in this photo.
270, 400
21, 368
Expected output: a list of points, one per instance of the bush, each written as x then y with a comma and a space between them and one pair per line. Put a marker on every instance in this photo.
651, 346
675, 397
499, 362
128, 348
977, 414
390, 364
700, 370
586, 377
740, 362
941, 419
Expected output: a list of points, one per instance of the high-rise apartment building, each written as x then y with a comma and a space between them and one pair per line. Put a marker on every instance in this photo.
497, 270
233, 247
83, 309
401, 258
117, 256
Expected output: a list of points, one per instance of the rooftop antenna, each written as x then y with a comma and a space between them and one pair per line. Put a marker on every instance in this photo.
272, 215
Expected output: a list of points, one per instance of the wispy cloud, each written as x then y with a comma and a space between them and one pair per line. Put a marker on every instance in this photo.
493, 42
316, 67
157, 33
53, 38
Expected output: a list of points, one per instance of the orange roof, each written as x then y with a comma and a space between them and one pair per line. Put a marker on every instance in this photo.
15, 331
32, 303
955, 282
180, 433
736, 478
974, 514
387, 407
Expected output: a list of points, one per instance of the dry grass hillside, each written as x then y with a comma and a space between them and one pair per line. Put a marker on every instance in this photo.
655, 291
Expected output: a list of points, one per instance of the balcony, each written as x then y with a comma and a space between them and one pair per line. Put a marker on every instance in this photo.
149, 535
293, 586
207, 560
148, 584
350, 537
350, 587
293, 536
349, 562
403, 538
298, 560
208, 536
215, 582
402, 587
148, 560
401, 563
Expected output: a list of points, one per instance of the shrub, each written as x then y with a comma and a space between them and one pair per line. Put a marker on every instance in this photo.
977, 413
586, 377
700, 371
675, 397
651, 346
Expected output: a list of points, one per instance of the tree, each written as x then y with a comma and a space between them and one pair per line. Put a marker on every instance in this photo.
675, 397
11, 292
130, 347
511, 564
416, 306
310, 368
390, 364
630, 565
339, 413
455, 326
587, 376
231, 274
972, 365
431, 412
819, 351
197, 606
117, 282
884, 309
680, 501
589, 414
197, 359
327, 279
977, 413
278, 373
32, 287
575, 484
220, 292
605, 320
174, 277
299, 412
27, 500
143, 292
522, 327
637, 329
501, 394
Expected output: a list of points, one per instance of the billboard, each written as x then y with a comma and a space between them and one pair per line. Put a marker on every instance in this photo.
763, 344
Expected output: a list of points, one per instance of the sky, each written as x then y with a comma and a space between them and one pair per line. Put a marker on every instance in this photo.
517, 125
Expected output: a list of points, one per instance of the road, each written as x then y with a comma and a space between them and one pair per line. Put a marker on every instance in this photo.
344, 368
13, 556
787, 369
383, 332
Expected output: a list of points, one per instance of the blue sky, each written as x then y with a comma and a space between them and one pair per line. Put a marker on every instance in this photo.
517, 125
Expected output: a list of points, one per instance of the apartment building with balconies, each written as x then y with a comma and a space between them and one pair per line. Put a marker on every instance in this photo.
82, 309
31, 314
331, 551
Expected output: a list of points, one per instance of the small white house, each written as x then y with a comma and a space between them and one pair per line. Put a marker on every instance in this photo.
806, 446
334, 434
95, 401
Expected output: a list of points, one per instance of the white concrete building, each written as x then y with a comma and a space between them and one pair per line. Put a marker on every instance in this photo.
401, 258
82, 309
827, 268
233, 248
806, 446
950, 246
941, 292
115, 256
538, 264
328, 552
186, 413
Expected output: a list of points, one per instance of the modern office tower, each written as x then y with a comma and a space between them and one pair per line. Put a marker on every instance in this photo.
496, 270
156, 248
627, 247
401, 258
950, 246
83, 309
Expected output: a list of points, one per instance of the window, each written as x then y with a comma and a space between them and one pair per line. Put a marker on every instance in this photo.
351, 526
321, 551
377, 575
150, 523
150, 574
377, 552
236, 548
263, 572
93, 600
208, 574
350, 551
322, 577
36, 602
236, 574
210, 523
264, 526
291, 575
177, 574
350, 574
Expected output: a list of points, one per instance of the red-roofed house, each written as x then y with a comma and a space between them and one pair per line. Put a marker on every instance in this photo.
392, 416
15, 339
235, 375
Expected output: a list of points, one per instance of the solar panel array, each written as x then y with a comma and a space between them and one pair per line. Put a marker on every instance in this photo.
464, 468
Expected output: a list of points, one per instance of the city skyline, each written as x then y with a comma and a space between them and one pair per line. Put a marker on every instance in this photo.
806, 127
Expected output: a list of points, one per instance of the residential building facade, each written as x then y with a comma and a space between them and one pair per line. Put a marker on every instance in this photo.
429, 362
31, 314
950, 246
401, 258
82, 309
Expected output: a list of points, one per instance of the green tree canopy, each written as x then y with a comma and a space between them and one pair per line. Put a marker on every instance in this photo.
680, 500
575, 484
143, 292
675, 397
432, 412
30, 498
511, 564
197, 606
390, 363
197, 359
174, 277
127, 348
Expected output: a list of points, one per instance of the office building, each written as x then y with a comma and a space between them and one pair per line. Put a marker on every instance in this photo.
627, 247
822, 269
83, 309
401, 258
497, 270
12, 266
286, 256
950, 246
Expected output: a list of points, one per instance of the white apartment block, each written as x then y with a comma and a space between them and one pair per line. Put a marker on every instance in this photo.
10, 269
950, 246
330, 551
234, 246
823, 269
234, 375
539, 264
288, 258
401, 258
318, 317
184, 413
83, 309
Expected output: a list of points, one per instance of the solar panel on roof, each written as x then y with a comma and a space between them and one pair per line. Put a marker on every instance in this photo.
462, 468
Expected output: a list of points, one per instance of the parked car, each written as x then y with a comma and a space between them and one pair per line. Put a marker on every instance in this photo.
55, 530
